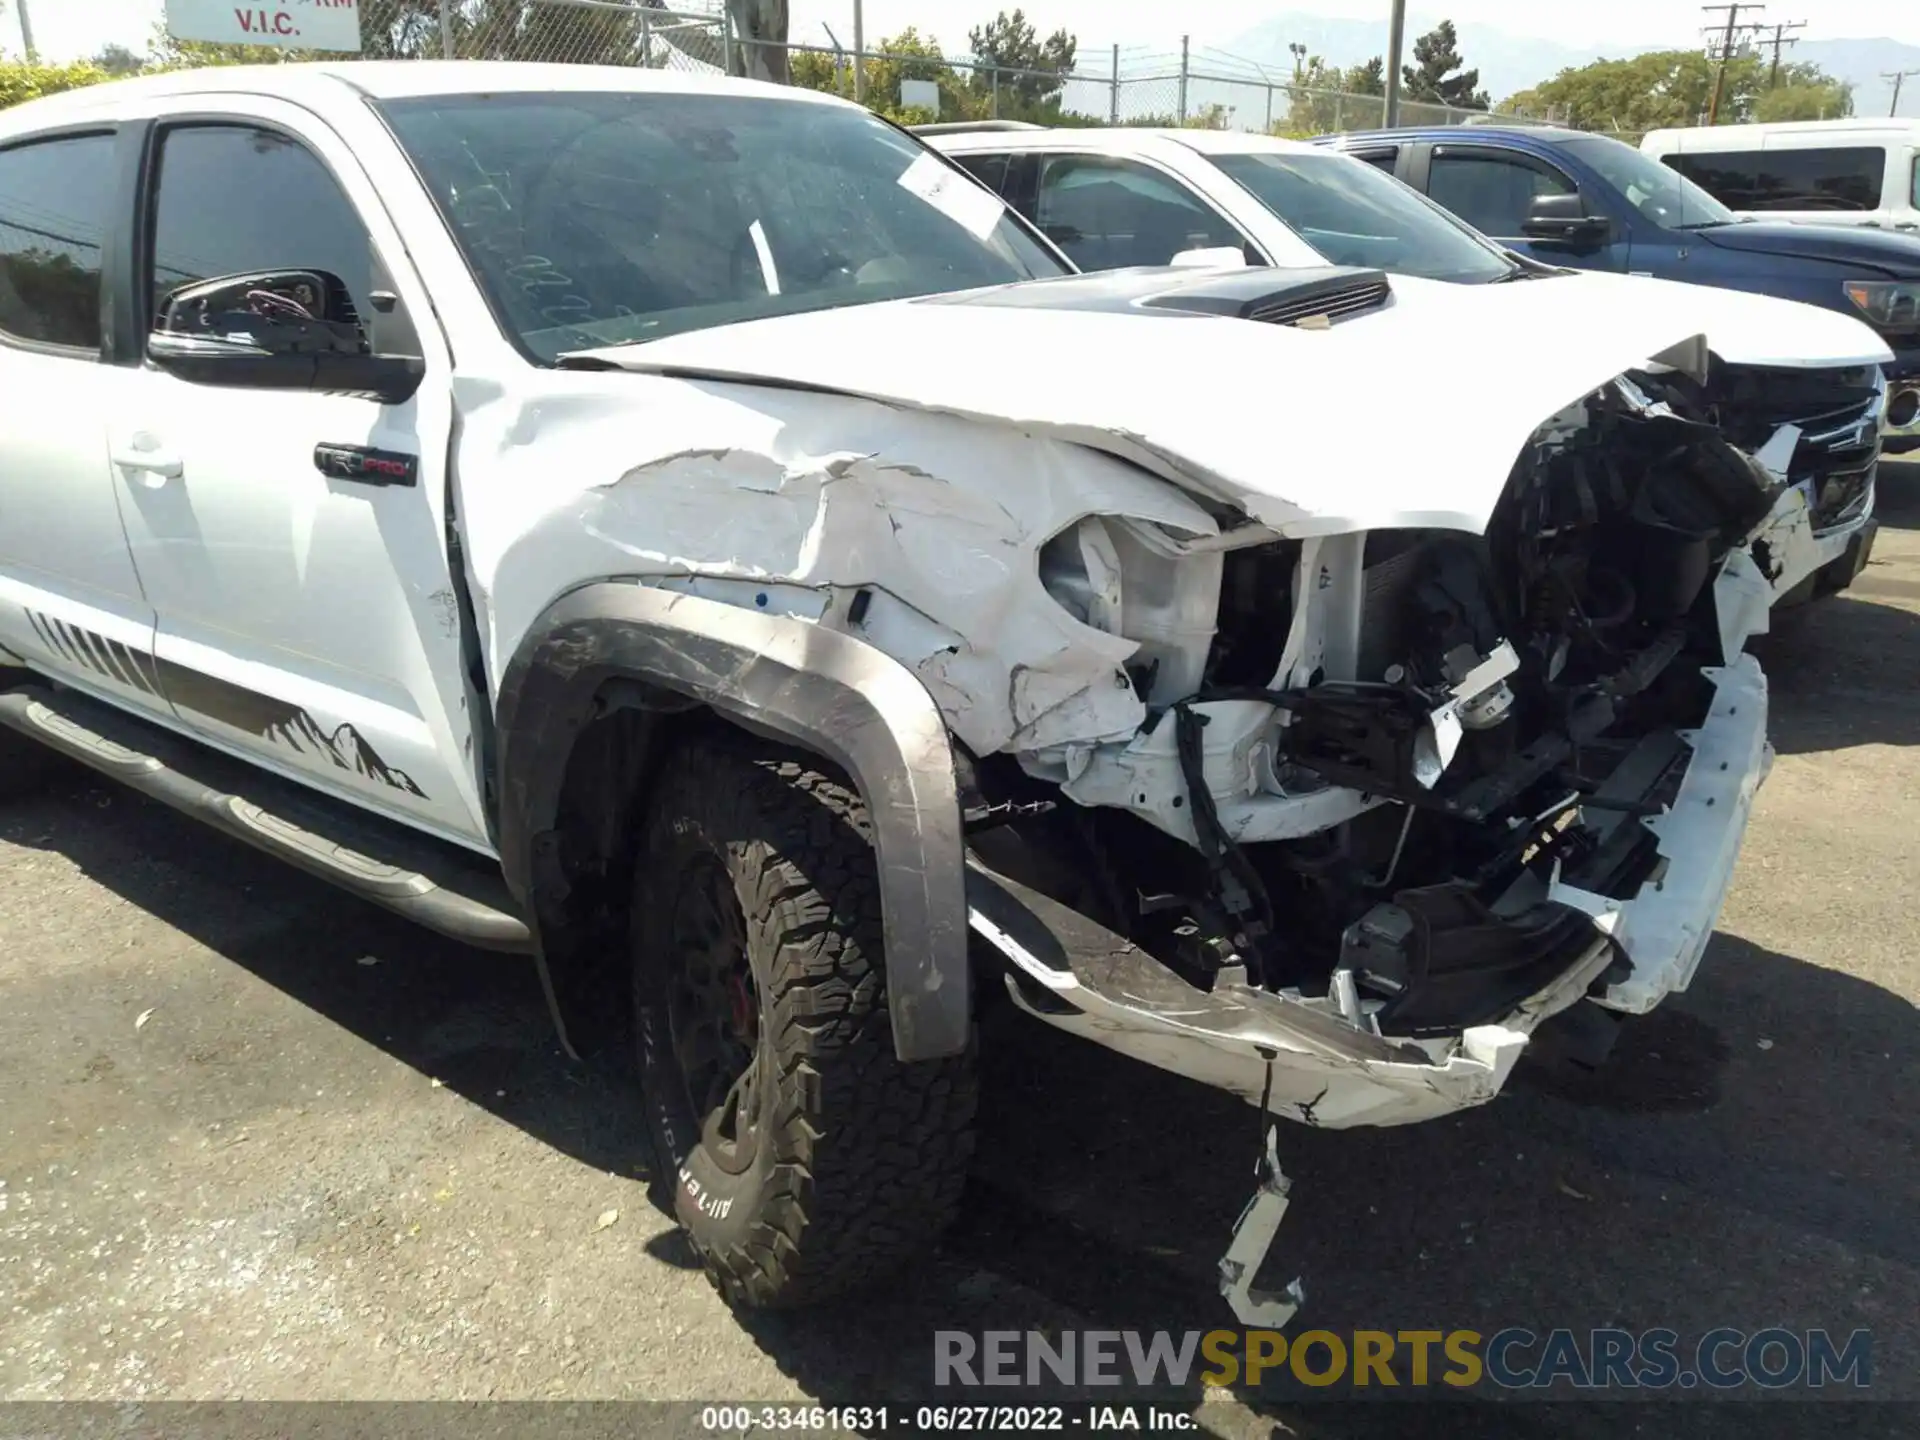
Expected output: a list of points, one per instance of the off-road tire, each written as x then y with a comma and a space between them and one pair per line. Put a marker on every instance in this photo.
857, 1160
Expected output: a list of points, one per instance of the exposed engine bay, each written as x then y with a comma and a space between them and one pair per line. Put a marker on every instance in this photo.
1401, 742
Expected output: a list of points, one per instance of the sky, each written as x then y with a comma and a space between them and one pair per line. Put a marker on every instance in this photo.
65, 29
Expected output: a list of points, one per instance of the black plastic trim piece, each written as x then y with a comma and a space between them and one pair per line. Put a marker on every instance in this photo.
825, 692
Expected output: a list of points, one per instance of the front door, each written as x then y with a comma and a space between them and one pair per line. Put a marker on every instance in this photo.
304, 615
1491, 189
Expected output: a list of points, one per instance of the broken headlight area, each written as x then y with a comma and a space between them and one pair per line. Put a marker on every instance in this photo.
1834, 417
1407, 753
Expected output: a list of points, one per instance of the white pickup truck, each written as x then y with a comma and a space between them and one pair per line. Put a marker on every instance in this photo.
689, 533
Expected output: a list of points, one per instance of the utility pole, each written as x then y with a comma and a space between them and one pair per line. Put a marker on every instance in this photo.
1781, 37
1396, 37
859, 51
26, 31
1895, 75
1726, 51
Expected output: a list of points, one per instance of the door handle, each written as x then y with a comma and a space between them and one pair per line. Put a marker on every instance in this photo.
144, 453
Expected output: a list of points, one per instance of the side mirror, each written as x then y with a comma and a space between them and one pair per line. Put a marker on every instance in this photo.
1215, 257
1563, 218
276, 330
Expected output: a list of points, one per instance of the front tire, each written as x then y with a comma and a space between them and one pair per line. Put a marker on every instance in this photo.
805, 1159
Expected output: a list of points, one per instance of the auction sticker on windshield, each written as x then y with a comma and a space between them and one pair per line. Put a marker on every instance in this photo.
292, 24
953, 195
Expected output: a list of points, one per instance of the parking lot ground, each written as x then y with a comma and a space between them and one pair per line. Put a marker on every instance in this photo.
261, 1141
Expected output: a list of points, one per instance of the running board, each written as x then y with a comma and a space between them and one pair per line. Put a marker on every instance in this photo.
429, 882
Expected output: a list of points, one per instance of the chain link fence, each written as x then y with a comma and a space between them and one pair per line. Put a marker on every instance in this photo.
1106, 87
1206, 89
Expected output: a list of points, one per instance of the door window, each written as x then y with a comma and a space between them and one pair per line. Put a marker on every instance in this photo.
989, 170
1492, 193
54, 201
1110, 213
236, 198
1832, 178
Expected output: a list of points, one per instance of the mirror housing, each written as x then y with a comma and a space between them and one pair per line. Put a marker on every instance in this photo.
1214, 257
277, 330
1563, 218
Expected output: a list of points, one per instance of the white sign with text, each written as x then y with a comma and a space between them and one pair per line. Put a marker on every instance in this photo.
292, 24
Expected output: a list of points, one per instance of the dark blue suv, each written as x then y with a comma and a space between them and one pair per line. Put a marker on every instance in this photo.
1572, 199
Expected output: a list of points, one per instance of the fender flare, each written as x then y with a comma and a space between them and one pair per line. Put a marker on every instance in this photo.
818, 689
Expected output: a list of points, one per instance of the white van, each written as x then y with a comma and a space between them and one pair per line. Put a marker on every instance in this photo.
1829, 172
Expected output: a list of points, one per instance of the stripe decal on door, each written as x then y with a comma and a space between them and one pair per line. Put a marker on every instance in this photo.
278, 722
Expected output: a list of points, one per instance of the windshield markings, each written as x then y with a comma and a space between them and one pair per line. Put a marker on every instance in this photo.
968, 205
765, 252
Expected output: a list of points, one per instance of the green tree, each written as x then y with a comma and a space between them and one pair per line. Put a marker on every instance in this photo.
1321, 98
1431, 78
20, 82
1009, 43
906, 56
1370, 78
118, 60
1672, 87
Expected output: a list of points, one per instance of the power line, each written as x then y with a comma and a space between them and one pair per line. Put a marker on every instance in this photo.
1896, 76
1726, 48
1781, 37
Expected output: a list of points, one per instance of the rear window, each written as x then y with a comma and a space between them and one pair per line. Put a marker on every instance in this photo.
1835, 178
54, 201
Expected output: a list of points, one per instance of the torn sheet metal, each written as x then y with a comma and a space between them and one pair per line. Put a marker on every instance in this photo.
939, 522
1789, 546
1664, 929
1253, 1235
1297, 1055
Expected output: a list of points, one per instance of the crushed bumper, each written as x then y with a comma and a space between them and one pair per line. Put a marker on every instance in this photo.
1665, 928
1802, 563
1314, 1065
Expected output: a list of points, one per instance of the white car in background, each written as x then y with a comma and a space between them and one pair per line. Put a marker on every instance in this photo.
1795, 376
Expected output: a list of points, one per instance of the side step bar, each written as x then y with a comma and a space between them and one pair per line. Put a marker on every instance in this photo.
430, 883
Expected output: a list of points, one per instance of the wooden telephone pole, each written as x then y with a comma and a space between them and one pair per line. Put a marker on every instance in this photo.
1781, 37
1896, 76
1726, 48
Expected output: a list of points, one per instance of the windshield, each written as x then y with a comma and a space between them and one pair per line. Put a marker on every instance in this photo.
1664, 196
605, 219
1354, 214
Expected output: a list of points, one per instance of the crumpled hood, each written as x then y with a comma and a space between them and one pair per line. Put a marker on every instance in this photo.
1412, 415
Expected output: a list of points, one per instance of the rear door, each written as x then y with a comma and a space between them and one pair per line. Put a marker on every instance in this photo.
71, 603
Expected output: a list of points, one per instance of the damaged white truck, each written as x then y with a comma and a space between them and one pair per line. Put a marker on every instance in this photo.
688, 533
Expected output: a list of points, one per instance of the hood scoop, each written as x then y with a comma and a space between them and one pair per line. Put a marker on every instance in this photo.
1305, 299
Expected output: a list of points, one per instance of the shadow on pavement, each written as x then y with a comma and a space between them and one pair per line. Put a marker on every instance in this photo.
1896, 492
1705, 1180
